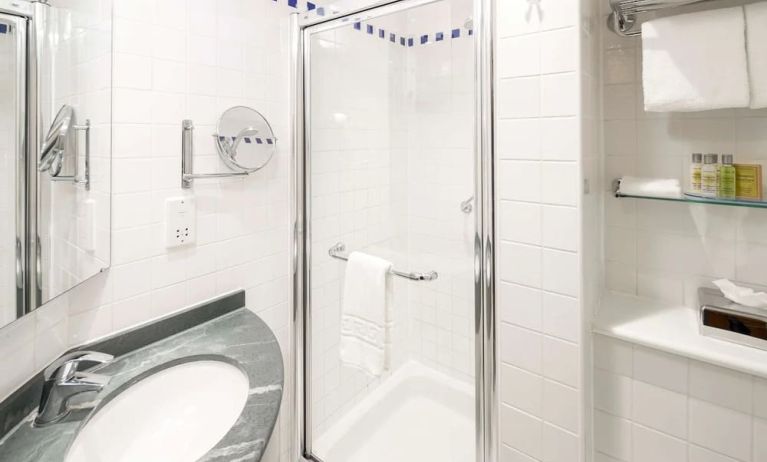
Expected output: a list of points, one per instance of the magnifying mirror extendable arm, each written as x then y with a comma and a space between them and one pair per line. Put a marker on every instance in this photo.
187, 158
244, 141
61, 137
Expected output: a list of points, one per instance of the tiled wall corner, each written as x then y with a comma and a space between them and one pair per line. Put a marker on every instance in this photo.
539, 159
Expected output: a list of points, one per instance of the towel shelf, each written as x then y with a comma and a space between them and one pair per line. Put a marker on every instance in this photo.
623, 20
689, 199
337, 252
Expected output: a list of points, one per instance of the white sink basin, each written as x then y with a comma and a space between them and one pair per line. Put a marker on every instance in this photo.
175, 415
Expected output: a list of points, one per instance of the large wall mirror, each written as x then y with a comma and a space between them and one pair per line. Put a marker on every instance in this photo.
55, 149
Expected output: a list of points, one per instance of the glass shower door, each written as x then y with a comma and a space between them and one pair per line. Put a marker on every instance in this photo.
390, 171
12, 168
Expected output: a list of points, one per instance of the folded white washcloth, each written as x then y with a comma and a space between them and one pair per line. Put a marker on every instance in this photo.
695, 61
741, 295
366, 314
756, 37
651, 187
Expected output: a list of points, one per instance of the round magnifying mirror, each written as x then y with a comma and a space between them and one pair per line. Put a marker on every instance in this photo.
244, 139
55, 143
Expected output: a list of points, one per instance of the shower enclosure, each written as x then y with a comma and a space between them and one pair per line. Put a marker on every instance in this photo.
13, 80
394, 159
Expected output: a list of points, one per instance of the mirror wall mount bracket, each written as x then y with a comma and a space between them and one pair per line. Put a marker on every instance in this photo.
187, 159
86, 177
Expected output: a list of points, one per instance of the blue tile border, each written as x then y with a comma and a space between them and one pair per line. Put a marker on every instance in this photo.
370, 29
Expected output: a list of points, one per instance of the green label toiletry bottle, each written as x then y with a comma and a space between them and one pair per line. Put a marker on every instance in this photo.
727, 178
708, 176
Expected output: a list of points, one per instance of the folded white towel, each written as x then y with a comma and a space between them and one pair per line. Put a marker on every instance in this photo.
366, 314
695, 61
756, 37
650, 187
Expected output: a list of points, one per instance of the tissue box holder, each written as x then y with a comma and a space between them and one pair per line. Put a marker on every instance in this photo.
729, 321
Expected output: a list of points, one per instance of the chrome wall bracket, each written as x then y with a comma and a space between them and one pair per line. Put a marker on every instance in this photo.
75, 178
187, 159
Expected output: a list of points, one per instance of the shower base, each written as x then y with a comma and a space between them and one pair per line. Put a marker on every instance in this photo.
417, 415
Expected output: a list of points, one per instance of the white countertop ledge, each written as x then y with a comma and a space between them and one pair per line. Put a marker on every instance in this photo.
673, 329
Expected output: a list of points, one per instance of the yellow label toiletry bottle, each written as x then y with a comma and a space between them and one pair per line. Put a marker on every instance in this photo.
727, 178
695, 167
708, 176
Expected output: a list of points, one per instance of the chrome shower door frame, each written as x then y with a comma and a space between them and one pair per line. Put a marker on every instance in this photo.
18, 17
486, 395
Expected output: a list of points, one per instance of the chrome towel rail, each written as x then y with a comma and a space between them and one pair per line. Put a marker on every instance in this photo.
337, 252
624, 17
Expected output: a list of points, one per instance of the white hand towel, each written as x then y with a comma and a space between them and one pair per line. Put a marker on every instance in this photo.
366, 314
650, 187
756, 38
695, 61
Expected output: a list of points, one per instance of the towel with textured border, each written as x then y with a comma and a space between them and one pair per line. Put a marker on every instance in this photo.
366, 314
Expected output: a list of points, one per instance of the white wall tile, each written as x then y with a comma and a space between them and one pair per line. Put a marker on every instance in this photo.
558, 137
720, 429
613, 355
520, 305
519, 222
721, 386
521, 431
519, 56
559, 95
661, 369
521, 97
760, 439
560, 272
519, 180
612, 436
559, 445
520, 264
760, 397
559, 228
522, 389
660, 409
561, 317
650, 445
559, 183
520, 139
521, 348
699, 454
560, 406
613, 393
561, 361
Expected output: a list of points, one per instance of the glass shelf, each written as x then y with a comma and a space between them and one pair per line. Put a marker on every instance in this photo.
703, 200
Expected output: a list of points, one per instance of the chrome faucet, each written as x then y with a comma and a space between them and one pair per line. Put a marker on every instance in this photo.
63, 380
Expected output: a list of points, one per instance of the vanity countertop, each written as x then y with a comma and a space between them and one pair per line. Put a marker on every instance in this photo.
239, 335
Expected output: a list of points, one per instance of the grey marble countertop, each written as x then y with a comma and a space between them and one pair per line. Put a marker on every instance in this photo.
240, 336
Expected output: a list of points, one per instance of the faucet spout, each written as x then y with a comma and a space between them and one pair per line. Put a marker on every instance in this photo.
63, 380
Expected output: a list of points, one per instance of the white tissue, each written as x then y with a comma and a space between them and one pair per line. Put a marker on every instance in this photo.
741, 295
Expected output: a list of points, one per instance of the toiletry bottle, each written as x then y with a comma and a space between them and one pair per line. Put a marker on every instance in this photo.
695, 167
708, 176
727, 177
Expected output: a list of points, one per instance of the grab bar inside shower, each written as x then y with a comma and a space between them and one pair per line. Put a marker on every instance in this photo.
337, 251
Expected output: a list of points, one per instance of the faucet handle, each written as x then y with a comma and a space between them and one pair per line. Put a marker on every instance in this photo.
66, 366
